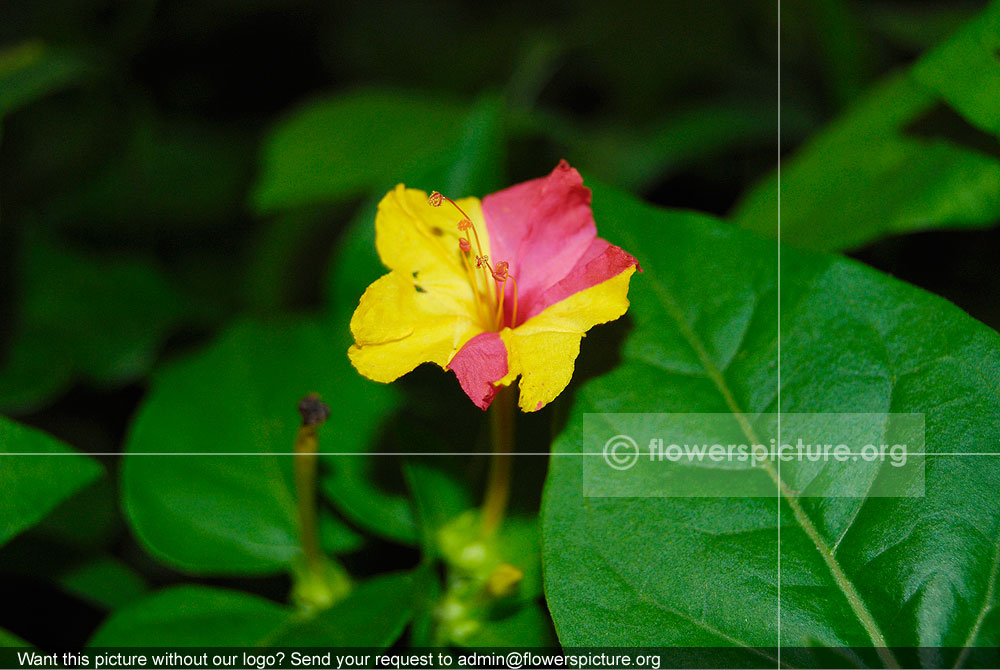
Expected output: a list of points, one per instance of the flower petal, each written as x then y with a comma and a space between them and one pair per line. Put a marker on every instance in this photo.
424, 310
545, 230
600, 262
479, 365
544, 348
402, 322
413, 236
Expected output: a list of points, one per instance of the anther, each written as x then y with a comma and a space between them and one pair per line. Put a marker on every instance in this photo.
464, 245
435, 199
464, 224
500, 273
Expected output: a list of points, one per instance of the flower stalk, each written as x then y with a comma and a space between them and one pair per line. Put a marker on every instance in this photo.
314, 413
319, 582
498, 481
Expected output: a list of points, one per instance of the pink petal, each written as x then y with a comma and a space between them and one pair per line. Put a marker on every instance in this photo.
545, 230
478, 364
600, 262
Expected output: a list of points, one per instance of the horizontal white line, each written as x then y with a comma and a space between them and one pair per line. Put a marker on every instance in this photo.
397, 454
284, 453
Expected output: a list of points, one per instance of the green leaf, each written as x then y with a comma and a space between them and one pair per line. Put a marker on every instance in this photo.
31, 486
527, 626
31, 70
704, 571
972, 54
100, 319
193, 616
8, 639
104, 581
873, 172
343, 146
862, 178
237, 514
373, 615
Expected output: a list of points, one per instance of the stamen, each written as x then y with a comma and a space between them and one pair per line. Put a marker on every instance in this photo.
466, 217
513, 314
500, 274
503, 292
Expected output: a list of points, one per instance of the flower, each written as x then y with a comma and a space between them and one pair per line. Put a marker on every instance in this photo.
522, 314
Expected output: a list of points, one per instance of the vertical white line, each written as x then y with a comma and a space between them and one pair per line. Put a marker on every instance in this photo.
778, 496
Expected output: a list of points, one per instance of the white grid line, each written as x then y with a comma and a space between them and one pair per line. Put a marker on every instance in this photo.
778, 407
401, 454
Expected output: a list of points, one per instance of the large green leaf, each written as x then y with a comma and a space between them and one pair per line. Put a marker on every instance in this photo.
31, 486
915, 571
194, 616
344, 146
237, 514
373, 615
871, 173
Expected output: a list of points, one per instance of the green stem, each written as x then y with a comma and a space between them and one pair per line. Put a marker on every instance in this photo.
498, 482
306, 448
319, 581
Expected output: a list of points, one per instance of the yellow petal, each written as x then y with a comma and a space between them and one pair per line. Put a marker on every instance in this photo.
412, 236
544, 348
424, 310
404, 321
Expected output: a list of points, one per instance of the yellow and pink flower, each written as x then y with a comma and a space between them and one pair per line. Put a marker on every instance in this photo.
492, 290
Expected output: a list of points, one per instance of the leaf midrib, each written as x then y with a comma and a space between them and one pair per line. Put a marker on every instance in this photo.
840, 578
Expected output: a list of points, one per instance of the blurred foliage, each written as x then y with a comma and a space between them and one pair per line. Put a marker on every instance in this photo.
188, 192
901, 159
31, 70
33, 486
